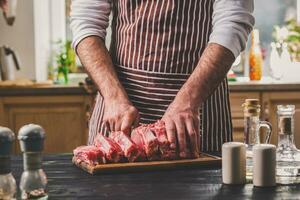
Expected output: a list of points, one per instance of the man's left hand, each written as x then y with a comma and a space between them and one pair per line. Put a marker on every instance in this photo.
182, 121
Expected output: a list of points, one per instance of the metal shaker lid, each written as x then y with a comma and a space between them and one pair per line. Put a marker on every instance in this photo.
31, 138
6, 139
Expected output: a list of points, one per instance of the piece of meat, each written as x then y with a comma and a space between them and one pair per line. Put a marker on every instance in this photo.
113, 152
131, 150
167, 153
89, 154
146, 139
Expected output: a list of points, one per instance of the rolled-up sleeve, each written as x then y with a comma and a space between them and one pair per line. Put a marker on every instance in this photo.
232, 23
89, 17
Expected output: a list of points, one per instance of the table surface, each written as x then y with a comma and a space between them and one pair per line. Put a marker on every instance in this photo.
65, 181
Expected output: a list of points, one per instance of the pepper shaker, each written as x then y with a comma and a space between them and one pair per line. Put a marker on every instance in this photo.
7, 181
33, 180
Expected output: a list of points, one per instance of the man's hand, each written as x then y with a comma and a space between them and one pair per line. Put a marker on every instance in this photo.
182, 116
182, 120
120, 115
3, 5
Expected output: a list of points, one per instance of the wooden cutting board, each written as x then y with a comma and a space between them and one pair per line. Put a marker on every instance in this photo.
205, 160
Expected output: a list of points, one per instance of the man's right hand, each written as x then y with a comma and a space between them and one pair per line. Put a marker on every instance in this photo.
120, 115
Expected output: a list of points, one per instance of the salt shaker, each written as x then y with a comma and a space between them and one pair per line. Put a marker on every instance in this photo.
234, 163
7, 181
264, 165
33, 180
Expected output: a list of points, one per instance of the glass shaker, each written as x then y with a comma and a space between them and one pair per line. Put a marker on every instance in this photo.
8, 186
33, 180
288, 156
252, 126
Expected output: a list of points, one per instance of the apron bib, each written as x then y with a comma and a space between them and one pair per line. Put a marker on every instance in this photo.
156, 44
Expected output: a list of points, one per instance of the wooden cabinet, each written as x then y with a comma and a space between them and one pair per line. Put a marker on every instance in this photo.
270, 102
63, 118
236, 100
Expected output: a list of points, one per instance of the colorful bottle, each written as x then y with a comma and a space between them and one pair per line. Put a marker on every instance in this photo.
275, 63
255, 57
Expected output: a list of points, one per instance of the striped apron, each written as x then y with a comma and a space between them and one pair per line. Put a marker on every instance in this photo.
156, 44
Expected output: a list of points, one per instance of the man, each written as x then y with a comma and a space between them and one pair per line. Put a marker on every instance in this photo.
168, 59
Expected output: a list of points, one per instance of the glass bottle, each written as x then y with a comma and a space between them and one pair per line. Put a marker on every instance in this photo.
255, 57
7, 181
288, 156
33, 180
275, 62
252, 126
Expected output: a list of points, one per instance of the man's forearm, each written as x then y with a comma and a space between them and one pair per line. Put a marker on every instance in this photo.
211, 70
96, 59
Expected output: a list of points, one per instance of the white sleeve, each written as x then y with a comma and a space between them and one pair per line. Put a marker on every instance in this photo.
89, 17
232, 23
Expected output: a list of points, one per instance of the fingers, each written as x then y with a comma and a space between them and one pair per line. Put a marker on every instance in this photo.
136, 121
171, 133
180, 129
111, 125
123, 121
197, 129
107, 125
118, 125
192, 136
126, 125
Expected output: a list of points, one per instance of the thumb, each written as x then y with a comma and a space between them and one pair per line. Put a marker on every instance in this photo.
136, 121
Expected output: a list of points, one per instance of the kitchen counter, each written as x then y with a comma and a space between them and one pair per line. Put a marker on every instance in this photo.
264, 86
240, 86
44, 90
65, 181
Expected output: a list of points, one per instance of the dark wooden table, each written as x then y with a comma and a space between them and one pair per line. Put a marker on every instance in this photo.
66, 181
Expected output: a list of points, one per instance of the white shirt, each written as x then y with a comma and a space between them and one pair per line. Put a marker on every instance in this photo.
232, 21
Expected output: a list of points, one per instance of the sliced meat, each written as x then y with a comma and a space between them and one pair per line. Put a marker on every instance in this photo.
131, 150
113, 152
167, 153
89, 154
146, 139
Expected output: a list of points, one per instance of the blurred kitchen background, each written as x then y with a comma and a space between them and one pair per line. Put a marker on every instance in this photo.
52, 89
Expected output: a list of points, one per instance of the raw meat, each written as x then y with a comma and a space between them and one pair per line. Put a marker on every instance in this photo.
89, 154
131, 151
113, 152
146, 140
167, 153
